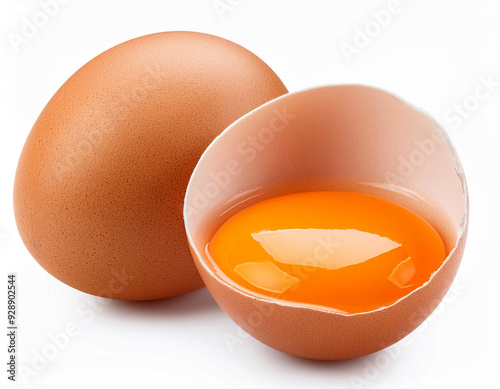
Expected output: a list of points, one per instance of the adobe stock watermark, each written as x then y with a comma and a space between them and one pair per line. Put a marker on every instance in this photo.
376, 364
454, 118
422, 151
223, 8
462, 110
319, 256
31, 26
153, 77
60, 340
363, 36
247, 151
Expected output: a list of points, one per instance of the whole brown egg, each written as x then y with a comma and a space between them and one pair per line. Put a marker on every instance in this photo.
100, 183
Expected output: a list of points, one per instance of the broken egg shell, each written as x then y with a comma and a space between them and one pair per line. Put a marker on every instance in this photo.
343, 137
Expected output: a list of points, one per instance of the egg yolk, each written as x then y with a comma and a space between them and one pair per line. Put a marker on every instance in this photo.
346, 251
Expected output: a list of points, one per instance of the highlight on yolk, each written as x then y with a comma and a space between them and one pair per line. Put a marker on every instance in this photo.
350, 252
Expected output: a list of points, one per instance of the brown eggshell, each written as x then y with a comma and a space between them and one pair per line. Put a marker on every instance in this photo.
101, 179
339, 138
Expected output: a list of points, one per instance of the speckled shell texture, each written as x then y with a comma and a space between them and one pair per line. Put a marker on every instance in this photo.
101, 179
346, 133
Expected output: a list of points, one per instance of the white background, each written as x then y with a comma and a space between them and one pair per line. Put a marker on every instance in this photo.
433, 54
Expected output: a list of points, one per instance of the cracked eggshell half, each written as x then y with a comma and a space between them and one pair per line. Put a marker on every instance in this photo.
343, 137
101, 179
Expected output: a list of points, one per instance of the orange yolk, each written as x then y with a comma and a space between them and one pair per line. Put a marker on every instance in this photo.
346, 251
